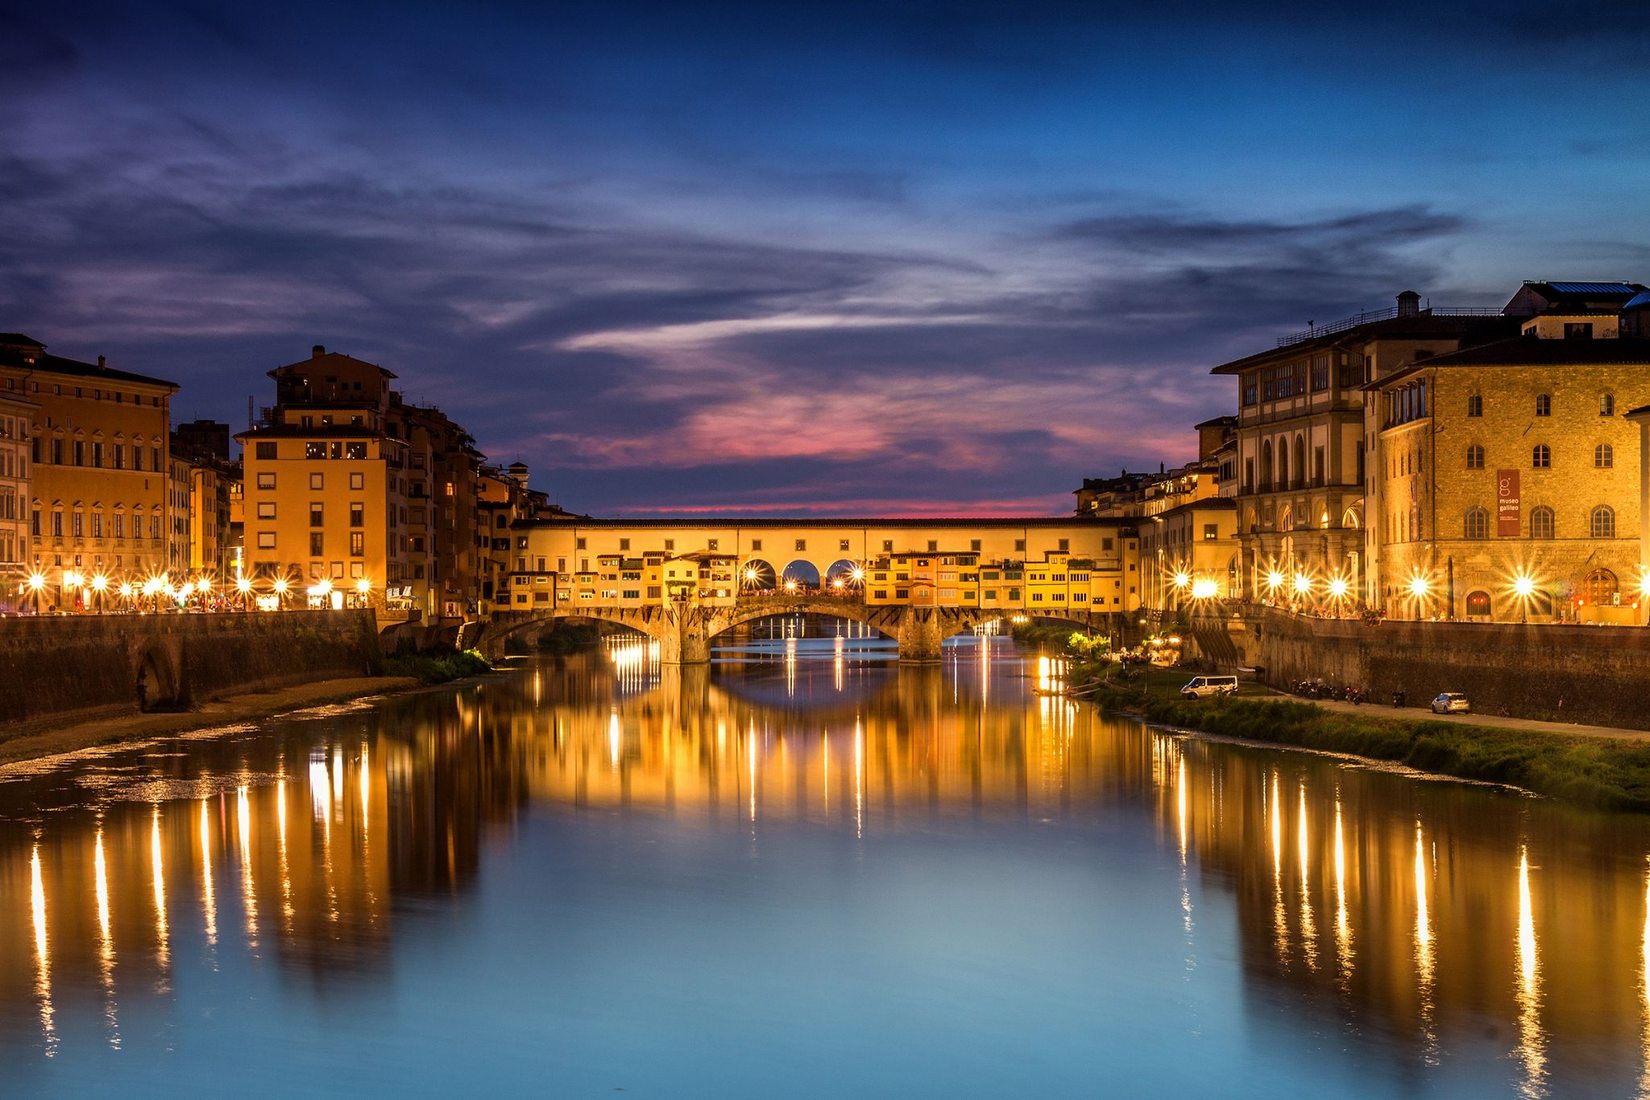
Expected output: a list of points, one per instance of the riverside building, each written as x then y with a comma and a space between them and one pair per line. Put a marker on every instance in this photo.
100, 505
352, 496
1506, 484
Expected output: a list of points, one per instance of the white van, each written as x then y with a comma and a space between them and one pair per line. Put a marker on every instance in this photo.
1199, 686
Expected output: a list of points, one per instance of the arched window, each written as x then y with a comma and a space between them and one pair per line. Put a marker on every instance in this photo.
1541, 522
1607, 404
1477, 524
1478, 603
1475, 457
1604, 456
1300, 461
1601, 587
1475, 405
1541, 457
1543, 404
1601, 524
1266, 466
1283, 464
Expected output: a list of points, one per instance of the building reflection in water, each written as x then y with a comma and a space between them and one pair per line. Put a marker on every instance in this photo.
1399, 908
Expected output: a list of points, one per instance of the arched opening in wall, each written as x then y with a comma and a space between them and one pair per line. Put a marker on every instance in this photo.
1478, 605
157, 687
1351, 520
756, 575
1601, 589
800, 576
1300, 461
1283, 464
1266, 466
844, 576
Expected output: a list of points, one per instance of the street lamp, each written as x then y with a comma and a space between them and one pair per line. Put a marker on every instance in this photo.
1274, 581
100, 585
37, 581
1523, 588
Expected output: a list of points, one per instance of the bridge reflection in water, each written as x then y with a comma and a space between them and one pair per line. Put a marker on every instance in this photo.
1447, 931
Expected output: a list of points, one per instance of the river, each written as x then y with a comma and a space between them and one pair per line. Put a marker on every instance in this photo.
803, 871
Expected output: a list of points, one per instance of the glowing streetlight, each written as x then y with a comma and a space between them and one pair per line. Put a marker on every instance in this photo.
1303, 584
243, 585
37, 581
1523, 587
1337, 588
790, 586
1205, 588
1182, 578
858, 574
363, 586
1418, 587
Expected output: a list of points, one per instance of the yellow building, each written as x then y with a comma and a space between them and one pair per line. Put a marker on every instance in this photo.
100, 505
16, 418
1189, 554
1506, 480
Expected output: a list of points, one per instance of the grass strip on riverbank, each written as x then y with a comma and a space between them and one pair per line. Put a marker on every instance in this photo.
1588, 771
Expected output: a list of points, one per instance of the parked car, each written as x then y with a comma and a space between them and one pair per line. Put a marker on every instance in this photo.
1451, 702
1199, 686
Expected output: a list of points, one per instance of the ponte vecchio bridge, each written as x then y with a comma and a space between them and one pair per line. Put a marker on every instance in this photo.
920, 581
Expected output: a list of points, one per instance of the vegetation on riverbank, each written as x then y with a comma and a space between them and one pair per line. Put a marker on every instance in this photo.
1598, 772
437, 667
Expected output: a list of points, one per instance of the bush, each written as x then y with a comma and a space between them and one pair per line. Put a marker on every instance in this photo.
439, 666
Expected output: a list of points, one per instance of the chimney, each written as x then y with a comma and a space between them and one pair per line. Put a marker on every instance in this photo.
317, 351
102, 363
1409, 304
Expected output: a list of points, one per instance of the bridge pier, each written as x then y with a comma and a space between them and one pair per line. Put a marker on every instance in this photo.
685, 639
919, 634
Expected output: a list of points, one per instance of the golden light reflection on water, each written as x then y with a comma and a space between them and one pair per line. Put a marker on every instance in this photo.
1531, 1052
1425, 962
105, 940
209, 905
42, 955
1309, 927
1425, 891
157, 872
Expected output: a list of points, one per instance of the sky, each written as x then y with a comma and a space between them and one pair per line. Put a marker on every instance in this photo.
786, 259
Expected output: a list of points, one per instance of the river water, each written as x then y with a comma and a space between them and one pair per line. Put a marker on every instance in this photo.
803, 871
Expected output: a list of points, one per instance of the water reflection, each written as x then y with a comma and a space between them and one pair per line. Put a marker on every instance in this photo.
1396, 909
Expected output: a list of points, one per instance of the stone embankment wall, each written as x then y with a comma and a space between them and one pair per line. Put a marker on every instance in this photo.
1586, 674
58, 667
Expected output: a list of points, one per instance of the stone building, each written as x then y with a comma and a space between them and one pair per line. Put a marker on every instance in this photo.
100, 505
16, 419
1300, 453
1505, 479
200, 453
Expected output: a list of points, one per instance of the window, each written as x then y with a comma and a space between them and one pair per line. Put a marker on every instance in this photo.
973, 544
266, 481
357, 451
1601, 523
1541, 522
266, 509
1065, 544
1211, 531
357, 543
97, 455
1475, 457
80, 453
1601, 588
57, 524
1541, 457
624, 544
266, 540
756, 544
79, 528
933, 546
1543, 404
712, 544
1478, 603
358, 481
1604, 456
265, 450
317, 543
670, 544
1020, 546
316, 514
842, 545
887, 546
97, 525
357, 514
317, 481
315, 450
1475, 404
581, 545
1607, 404
1477, 524
1578, 330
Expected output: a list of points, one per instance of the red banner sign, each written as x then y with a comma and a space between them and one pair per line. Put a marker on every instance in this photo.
1507, 514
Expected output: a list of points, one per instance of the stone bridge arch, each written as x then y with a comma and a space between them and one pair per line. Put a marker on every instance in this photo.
157, 674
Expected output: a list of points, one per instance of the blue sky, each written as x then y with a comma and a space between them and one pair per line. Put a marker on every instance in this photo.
845, 258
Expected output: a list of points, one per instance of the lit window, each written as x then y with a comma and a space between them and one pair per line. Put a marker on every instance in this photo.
1607, 404
1602, 523
1541, 522
1477, 524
